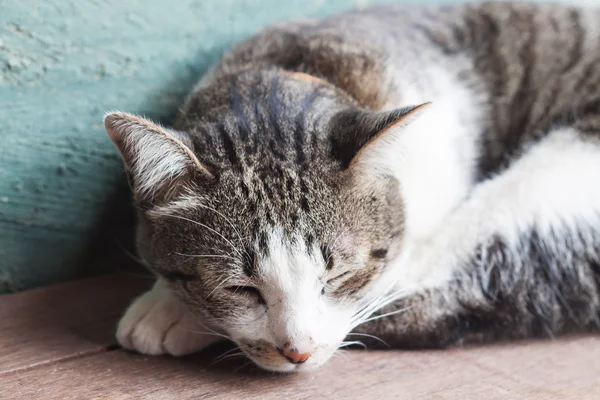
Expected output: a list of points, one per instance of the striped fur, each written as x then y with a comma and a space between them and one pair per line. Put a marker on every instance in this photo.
303, 196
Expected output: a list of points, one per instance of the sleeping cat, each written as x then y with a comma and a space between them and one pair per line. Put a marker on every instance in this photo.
402, 176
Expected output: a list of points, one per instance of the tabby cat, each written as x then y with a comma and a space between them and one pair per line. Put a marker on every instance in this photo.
419, 177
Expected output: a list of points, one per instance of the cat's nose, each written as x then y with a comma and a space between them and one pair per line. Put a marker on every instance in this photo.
293, 355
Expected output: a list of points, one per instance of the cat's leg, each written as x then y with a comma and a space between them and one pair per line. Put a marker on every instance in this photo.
158, 323
520, 257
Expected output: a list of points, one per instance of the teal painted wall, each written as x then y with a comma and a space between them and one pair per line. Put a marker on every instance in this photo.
64, 204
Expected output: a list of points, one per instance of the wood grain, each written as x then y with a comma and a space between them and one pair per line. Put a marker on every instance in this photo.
57, 343
63, 321
559, 370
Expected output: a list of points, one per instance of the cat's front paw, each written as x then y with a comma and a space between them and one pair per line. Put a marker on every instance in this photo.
158, 323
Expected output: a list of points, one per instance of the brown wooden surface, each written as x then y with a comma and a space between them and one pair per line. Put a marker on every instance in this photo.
63, 321
57, 343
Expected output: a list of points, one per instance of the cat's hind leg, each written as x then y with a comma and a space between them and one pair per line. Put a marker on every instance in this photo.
520, 257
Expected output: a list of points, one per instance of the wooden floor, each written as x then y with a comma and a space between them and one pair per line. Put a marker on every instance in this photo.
57, 343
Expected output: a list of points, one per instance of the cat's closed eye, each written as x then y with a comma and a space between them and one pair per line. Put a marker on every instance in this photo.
337, 277
333, 281
249, 291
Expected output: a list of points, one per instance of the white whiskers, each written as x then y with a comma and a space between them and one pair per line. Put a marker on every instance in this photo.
206, 255
352, 343
221, 283
229, 354
210, 230
365, 313
371, 336
386, 314
248, 362
232, 227
210, 332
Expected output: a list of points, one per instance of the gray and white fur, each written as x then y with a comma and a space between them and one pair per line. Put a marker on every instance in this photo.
428, 176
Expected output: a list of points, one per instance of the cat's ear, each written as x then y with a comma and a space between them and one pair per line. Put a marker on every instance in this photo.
358, 136
158, 161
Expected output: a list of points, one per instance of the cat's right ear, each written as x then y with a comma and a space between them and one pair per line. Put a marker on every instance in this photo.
159, 162
366, 141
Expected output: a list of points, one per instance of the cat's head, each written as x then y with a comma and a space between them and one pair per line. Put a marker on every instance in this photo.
270, 209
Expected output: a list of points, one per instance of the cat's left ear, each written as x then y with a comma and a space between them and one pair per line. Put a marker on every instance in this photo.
159, 162
364, 139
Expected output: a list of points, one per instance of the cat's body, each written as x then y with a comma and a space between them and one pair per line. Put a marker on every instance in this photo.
479, 213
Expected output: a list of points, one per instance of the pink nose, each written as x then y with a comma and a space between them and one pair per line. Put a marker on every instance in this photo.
293, 355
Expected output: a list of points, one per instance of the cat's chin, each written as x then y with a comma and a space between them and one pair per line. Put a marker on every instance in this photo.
282, 369
287, 368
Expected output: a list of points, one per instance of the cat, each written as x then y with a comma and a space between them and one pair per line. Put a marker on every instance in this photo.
413, 177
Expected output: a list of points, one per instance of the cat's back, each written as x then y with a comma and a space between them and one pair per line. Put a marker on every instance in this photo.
500, 41
387, 30
536, 64
528, 66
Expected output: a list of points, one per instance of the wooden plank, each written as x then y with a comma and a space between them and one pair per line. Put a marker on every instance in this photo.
546, 370
563, 366
63, 321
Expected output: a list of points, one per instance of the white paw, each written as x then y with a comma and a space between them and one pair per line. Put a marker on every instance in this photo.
157, 323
